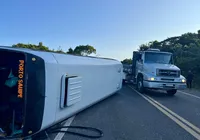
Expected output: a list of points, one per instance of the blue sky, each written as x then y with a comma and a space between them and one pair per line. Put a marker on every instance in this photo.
114, 27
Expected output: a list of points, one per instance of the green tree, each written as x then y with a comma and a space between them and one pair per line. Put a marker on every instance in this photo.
84, 50
143, 47
70, 51
79, 50
199, 34
40, 46
127, 61
154, 44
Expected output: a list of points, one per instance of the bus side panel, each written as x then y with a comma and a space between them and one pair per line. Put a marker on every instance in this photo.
100, 79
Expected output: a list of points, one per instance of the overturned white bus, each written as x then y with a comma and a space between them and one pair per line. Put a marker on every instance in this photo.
40, 89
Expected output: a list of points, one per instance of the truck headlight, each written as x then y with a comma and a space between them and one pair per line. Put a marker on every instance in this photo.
183, 80
151, 79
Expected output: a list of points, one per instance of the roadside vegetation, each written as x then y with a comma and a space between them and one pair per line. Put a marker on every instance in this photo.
83, 50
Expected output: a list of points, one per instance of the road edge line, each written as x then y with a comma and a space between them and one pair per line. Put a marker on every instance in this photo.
177, 116
176, 120
188, 94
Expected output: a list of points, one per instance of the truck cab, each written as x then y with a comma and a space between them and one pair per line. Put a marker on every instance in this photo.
154, 69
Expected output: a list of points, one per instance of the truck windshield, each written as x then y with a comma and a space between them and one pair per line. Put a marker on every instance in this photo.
163, 58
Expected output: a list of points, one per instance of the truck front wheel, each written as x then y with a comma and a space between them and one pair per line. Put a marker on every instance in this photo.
140, 86
171, 92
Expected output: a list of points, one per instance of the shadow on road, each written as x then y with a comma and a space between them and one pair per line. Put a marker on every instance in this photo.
157, 93
153, 93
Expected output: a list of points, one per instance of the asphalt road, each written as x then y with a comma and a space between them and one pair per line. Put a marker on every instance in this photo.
128, 115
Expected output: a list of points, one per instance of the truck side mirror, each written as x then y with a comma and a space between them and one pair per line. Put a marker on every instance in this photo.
140, 57
141, 61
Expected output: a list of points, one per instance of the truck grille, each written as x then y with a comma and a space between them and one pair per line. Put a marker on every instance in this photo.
168, 73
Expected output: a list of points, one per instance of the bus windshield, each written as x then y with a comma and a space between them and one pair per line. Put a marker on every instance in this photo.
163, 58
11, 95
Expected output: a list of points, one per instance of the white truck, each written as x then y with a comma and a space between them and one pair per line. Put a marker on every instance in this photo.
154, 69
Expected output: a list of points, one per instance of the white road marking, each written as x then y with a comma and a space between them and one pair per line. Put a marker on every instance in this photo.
176, 115
59, 136
189, 94
164, 110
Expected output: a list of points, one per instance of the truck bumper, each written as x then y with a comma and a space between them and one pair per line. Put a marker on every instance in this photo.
164, 85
